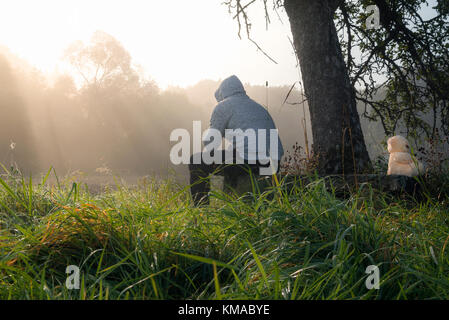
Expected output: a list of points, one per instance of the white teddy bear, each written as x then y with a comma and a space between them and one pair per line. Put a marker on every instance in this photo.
401, 162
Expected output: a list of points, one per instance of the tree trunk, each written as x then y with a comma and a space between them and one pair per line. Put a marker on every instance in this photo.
337, 135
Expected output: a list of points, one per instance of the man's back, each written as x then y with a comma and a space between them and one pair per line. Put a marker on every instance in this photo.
237, 111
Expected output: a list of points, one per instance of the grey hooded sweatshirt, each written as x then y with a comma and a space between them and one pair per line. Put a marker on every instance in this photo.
235, 110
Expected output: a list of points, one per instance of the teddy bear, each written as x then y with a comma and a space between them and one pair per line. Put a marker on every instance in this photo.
401, 161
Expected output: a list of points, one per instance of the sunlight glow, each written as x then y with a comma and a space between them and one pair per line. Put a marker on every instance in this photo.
176, 42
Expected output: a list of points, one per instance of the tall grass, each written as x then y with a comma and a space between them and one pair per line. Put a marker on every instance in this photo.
149, 242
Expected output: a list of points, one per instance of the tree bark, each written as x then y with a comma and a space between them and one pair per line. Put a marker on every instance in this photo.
337, 135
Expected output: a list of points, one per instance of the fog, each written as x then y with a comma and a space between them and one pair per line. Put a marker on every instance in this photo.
108, 118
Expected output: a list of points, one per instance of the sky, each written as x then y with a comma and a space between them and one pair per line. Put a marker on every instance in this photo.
177, 42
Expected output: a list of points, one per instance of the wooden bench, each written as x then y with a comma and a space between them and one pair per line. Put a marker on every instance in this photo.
342, 184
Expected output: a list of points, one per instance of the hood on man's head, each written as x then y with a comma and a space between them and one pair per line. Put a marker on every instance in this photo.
229, 87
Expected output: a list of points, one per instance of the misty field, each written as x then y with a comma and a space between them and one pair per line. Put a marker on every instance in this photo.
149, 242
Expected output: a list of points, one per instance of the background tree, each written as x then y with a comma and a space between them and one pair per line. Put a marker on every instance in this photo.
16, 137
111, 96
102, 62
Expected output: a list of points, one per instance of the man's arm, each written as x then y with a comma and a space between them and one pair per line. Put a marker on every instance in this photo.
219, 120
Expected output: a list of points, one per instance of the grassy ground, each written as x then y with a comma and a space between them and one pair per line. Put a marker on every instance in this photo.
150, 243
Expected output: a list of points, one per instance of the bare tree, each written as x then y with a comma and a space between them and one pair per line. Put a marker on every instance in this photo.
337, 134
103, 62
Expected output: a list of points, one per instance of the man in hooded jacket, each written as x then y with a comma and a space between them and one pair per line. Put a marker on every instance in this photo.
238, 113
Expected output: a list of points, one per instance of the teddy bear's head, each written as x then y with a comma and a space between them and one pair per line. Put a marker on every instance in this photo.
398, 144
